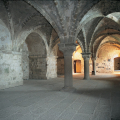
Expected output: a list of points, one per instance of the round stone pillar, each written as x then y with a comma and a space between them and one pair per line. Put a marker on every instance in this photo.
86, 57
68, 81
94, 66
67, 50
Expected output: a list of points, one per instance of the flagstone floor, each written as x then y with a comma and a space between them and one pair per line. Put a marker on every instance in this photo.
95, 99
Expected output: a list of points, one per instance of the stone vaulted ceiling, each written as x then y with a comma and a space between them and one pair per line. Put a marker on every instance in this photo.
87, 21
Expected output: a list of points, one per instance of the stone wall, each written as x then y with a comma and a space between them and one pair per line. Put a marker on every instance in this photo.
11, 73
105, 58
37, 67
5, 38
60, 66
60, 63
104, 65
117, 63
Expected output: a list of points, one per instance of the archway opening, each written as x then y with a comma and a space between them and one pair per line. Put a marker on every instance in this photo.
78, 62
34, 58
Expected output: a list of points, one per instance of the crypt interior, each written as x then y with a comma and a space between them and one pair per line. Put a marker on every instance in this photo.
59, 60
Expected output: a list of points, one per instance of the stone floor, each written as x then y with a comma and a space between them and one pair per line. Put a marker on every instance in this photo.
95, 99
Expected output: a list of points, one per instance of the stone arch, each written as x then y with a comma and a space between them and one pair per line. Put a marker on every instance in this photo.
95, 48
47, 16
23, 35
88, 30
37, 56
113, 43
105, 56
114, 26
92, 14
113, 18
81, 40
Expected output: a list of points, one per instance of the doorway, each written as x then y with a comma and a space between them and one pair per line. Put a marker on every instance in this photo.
77, 66
117, 63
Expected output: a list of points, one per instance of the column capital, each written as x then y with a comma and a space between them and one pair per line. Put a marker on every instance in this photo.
86, 55
67, 49
94, 58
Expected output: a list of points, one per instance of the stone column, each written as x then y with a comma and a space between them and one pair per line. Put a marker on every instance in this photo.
86, 57
68, 50
94, 66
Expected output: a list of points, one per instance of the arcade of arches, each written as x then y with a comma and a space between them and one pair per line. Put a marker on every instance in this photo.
44, 39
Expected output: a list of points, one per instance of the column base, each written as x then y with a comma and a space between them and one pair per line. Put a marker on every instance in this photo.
68, 89
93, 73
86, 78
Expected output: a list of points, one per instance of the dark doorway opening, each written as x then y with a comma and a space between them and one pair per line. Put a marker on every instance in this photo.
77, 66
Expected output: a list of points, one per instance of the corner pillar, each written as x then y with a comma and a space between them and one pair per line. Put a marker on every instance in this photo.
86, 57
67, 50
